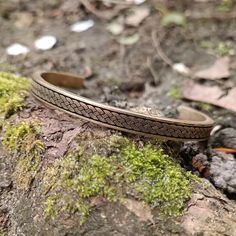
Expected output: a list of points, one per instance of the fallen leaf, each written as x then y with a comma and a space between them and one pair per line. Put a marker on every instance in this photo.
129, 40
140, 209
210, 94
137, 17
219, 70
175, 18
225, 150
200, 163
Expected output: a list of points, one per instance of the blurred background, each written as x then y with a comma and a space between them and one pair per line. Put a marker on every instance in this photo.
131, 52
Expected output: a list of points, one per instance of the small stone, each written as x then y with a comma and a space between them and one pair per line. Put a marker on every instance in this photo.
17, 49
137, 2
228, 121
181, 68
115, 28
81, 26
223, 171
189, 150
45, 42
224, 138
5, 181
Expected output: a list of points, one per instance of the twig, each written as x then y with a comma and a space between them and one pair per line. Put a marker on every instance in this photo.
160, 52
92, 9
117, 2
153, 71
211, 16
105, 15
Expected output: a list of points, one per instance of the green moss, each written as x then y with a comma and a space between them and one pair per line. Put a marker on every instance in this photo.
23, 140
12, 93
160, 181
223, 48
206, 106
225, 5
220, 49
2, 232
173, 18
155, 178
22, 137
175, 92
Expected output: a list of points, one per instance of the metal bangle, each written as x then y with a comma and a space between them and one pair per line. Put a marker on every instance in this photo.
190, 125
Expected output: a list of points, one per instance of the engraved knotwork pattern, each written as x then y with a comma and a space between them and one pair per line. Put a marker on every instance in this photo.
118, 119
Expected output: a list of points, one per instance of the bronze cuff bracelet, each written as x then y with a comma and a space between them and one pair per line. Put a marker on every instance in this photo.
190, 125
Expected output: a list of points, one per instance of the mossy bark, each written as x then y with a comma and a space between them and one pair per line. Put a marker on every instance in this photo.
43, 155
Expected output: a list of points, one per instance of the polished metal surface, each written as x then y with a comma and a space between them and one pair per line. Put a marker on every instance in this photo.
191, 124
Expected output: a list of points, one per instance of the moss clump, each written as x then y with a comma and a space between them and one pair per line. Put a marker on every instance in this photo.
155, 178
158, 178
205, 106
75, 178
23, 140
175, 92
225, 5
222, 48
13, 90
2, 232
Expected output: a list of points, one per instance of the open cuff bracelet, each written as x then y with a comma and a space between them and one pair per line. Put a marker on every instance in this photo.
190, 125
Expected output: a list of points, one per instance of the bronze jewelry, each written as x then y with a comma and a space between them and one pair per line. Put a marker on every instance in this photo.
190, 125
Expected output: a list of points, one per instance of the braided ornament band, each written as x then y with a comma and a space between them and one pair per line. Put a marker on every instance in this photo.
191, 125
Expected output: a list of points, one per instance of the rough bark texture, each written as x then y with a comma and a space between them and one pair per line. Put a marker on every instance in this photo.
208, 212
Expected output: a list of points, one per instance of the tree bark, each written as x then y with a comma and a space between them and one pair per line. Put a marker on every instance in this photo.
209, 212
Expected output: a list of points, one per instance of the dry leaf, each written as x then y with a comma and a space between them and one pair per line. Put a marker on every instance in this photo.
225, 150
210, 94
139, 14
219, 70
140, 209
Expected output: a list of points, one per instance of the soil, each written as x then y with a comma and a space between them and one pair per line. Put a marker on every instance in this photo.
119, 75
